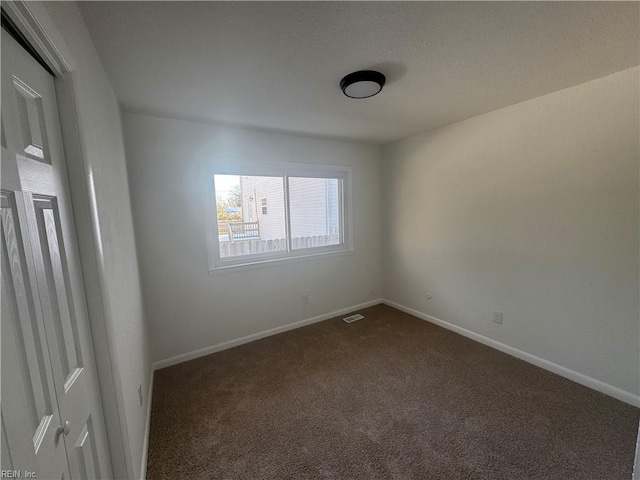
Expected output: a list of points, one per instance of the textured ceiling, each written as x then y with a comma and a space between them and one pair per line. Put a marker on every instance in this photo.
277, 65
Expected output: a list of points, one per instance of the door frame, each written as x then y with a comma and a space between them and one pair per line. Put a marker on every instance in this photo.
33, 21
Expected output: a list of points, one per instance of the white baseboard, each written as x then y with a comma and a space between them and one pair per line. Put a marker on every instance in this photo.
147, 431
256, 336
589, 382
592, 383
636, 464
580, 378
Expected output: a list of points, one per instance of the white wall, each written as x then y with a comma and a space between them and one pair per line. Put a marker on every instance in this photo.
531, 210
106, 237
187, 308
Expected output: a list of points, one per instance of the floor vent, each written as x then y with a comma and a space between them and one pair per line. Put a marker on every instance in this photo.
353, 318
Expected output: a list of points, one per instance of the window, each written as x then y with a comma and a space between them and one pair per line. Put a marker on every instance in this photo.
275, 212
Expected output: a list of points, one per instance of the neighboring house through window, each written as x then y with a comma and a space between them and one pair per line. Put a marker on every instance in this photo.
280, 211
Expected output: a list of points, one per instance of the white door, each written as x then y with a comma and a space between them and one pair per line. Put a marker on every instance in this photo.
52, 421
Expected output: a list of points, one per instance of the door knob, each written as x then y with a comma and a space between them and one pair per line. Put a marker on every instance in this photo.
66, 428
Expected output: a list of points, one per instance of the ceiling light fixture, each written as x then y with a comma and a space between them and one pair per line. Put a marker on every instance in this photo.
362, 84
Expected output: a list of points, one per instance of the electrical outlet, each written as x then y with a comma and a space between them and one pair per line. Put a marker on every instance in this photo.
305, 299
497, 317
140, 393
428, 295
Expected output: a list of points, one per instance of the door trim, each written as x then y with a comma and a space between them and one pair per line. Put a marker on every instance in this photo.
15, 33
37, 28
20, 13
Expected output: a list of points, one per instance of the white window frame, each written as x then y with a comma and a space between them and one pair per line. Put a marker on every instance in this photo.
284, 170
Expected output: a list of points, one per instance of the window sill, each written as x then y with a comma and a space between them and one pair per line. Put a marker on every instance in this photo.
274, 262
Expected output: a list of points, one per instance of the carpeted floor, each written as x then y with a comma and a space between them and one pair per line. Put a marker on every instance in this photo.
389, 396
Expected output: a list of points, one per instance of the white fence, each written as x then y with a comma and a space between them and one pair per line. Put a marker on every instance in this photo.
252, 247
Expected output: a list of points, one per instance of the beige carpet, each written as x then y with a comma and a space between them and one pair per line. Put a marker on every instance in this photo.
389, 396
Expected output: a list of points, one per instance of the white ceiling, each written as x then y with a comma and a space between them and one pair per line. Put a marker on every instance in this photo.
277, 65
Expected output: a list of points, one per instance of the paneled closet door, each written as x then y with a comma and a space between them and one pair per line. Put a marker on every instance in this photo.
51, 412
30, 417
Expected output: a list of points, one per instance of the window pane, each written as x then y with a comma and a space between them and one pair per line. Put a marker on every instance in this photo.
315, 209
250, 214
